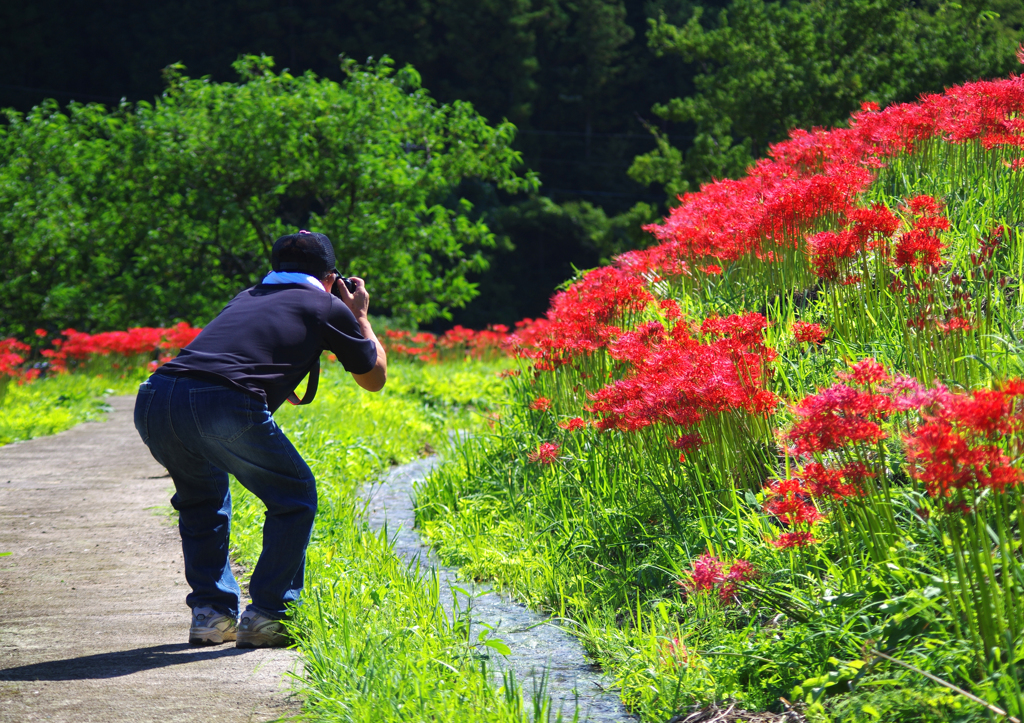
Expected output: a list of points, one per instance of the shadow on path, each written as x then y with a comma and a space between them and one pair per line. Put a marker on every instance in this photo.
122, 662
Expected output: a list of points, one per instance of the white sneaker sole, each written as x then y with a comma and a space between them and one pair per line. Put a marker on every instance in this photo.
209, 636
261, 640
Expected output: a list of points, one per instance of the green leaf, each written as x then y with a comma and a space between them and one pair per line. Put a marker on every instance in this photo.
498, 645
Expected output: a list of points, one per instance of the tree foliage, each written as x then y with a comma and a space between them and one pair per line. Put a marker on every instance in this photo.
150, 213
765, 67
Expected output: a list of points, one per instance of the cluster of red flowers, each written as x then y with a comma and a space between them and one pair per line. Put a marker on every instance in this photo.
920, 246
582, 319
680, 378
678, 374
830, 425
820, 174
708, 573
457, 342
871, 229
75, 346
806, 332
963, 439
11, 358
842, 414
867, 229
142, 341
546, 453
956, 442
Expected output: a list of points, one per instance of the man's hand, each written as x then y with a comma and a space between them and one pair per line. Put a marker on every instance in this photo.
359, 304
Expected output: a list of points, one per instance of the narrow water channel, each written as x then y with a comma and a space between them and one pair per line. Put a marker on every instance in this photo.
541, 650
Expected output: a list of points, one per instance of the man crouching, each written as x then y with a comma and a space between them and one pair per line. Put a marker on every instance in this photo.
208, 413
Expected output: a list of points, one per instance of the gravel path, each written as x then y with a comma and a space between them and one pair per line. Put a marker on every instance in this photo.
94, 624
539, 645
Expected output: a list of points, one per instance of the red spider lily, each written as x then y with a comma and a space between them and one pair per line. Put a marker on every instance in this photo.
838, 416
821, 173
957, 445
634, 346
10, 359
945, 459
866, 372
541, 404
708, 574
871, 226
827, 248
794, 539
1013, 387
918, 248
546, 453
670, 308
686, 442
675, 653
573, 425
179, 336
806, 332
956, 323
579, 321
682, 379
932, 223
457, 342
836, 483
790, 501
741, 571
41, 332
923, 205
29, 376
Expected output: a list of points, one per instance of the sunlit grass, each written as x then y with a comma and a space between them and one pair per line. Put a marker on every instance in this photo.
59, 402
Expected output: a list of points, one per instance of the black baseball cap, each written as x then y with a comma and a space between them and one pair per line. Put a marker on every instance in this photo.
304, 252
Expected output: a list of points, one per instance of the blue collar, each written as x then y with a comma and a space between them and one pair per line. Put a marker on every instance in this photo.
291, 277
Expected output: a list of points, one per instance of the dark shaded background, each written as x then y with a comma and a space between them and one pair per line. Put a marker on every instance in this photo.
576, 76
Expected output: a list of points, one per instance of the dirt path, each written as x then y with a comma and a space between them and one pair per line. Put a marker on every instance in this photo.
93, 622
541, 649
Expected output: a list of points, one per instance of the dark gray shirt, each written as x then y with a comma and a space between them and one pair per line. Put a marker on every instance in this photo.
269, 337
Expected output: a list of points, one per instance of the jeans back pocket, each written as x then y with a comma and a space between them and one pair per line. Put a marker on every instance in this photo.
143, 400
220, 414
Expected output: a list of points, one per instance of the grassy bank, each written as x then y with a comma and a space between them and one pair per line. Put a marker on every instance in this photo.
776, 460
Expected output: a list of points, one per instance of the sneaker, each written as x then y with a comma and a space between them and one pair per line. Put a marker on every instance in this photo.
259, 631
209, 627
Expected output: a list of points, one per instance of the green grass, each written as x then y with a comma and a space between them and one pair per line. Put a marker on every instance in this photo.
376, 645
51, 405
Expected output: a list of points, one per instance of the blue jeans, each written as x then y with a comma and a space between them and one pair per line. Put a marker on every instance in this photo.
201, 432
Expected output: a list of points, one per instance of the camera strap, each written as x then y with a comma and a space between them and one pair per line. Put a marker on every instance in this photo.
311, 384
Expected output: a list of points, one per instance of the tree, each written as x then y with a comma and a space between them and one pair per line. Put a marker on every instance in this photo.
766, 67
153, 213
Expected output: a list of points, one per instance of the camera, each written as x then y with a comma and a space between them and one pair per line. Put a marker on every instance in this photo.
349, 284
